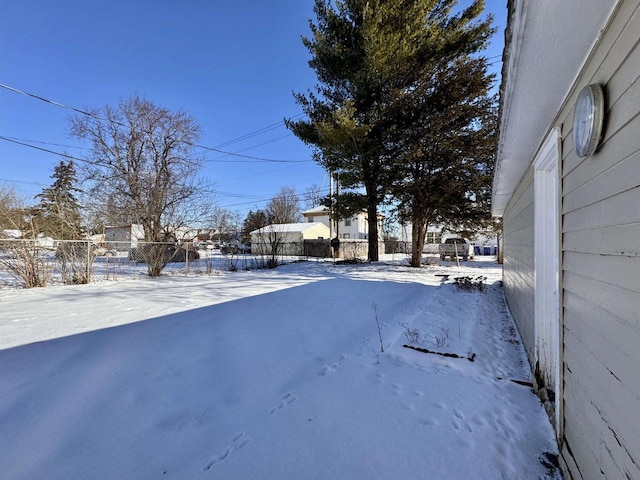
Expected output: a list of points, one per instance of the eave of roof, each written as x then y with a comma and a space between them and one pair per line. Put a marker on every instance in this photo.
546, 45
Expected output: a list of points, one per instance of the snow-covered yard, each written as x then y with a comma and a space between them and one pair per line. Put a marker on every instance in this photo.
269, 375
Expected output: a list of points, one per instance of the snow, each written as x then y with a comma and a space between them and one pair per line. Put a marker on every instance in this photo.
269, 374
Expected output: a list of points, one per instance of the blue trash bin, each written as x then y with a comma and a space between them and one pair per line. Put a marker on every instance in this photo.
487, 250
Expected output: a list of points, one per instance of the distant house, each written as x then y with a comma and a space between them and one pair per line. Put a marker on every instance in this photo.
567, 186
185, 234
124, 237
354, 228
41, 240
286, 238
482, 241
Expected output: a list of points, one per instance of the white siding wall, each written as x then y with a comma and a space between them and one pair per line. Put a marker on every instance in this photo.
518, 265
601, 267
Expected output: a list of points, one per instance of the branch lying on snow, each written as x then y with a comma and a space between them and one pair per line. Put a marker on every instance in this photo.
524, 383
452, 355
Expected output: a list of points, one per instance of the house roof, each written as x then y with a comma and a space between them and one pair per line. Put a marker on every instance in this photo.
316, 210
290, 227
546, 45
322, 210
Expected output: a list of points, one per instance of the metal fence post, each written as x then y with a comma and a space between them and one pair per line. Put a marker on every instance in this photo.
186, 261
88, 261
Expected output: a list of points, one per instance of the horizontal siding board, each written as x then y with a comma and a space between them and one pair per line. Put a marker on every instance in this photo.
615, 57
607, 67
518, 259
568, 463
624, 109
520, 252
611, 342
517, 222
589, 437
615, 210
588, 186
604, 423
618, 302
624, 145
582, 241
600, 264
622, 240
522, 197
616, 463
613, 48
613, 270
580, 424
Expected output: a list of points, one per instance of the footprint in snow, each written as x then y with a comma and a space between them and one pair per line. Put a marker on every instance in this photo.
329, 369
286, 399
239, 440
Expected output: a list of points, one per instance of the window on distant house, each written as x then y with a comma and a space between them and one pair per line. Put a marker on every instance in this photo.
346, 235
434, 237
347, 222
310, 219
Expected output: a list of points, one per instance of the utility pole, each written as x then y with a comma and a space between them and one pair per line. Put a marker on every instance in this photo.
330, 205
337, 219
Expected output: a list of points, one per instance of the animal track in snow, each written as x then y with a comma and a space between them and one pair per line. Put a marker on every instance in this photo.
286, 399
329, 369
239, 440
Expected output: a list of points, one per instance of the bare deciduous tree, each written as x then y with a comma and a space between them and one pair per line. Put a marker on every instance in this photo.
22, 259
143, 163
284, 207
313, 196
12, 212
224, 223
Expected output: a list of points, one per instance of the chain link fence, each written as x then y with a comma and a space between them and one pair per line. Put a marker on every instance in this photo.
42, 262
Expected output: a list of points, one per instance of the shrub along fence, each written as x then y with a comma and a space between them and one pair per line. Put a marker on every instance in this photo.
44, 261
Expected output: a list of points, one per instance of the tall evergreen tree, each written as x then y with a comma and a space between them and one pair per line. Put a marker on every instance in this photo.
367, 55
446, 154
254, 221
58, 212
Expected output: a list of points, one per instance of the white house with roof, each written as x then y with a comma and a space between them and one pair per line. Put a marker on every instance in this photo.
123, 237
286, 238
353, 228
567, 186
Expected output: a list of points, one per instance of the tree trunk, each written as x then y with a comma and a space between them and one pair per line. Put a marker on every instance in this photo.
418, 232
372, 214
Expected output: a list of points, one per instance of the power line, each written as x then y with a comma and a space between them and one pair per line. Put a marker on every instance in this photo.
9, 180
65, 155
47, 143
259, 144
97, 117
256, 132
300, 196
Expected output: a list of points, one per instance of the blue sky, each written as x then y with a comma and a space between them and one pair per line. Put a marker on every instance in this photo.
230, 64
